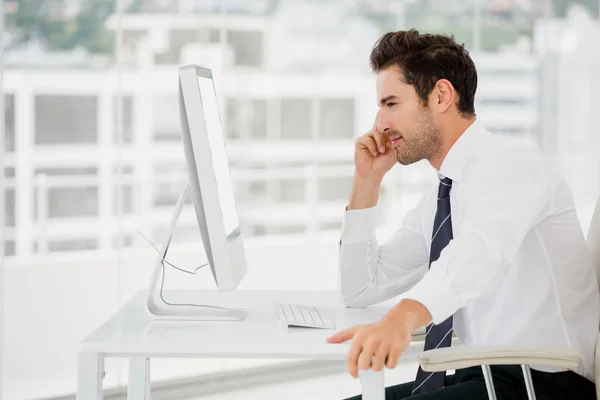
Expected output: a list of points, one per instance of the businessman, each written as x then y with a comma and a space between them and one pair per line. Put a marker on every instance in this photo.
494, 251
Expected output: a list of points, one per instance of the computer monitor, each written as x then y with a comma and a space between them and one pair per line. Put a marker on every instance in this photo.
212, 194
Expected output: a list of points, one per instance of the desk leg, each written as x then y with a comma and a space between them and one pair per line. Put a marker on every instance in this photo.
373, 385
89, 376
139, 379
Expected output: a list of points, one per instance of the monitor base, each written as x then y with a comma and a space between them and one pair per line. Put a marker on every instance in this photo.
158, 309
191, 313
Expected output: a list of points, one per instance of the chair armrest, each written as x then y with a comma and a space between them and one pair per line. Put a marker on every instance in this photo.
418, 335
467, 356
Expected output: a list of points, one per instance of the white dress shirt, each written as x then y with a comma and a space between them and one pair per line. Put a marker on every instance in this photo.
517, 271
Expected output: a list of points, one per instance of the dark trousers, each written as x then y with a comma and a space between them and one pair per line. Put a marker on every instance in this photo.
508, 380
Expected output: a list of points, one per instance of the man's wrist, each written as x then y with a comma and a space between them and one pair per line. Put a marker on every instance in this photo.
372, 180
365, 192
409, 314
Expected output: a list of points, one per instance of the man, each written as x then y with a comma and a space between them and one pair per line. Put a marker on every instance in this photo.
494, 251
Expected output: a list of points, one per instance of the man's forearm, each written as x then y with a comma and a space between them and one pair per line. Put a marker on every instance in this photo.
410, 313
365, 193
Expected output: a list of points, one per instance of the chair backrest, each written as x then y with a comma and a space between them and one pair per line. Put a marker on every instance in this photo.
593, 240
593, 244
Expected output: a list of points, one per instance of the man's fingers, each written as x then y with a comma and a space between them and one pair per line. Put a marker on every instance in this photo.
380, 357
368, 142
381, 139
365, 360
342, 336
393, 356
352, 360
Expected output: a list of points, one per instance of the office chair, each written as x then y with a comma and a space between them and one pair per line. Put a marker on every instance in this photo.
552, 356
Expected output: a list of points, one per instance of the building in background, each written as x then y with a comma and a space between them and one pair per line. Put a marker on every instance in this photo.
94, 151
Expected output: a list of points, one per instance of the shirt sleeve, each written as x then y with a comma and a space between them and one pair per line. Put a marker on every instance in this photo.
370, 273
504, 200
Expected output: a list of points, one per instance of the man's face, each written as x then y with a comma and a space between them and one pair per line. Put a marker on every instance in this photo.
402, 115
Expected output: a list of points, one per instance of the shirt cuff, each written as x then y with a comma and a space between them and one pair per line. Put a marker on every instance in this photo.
359, 225
439, 299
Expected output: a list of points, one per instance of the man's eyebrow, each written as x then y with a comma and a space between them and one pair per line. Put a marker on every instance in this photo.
386, 99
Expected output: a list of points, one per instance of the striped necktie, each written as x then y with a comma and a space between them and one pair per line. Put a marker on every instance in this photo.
437, 335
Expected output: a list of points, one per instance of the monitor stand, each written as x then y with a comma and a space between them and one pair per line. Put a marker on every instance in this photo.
157, 307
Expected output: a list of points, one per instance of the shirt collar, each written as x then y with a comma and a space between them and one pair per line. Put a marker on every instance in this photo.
462, 152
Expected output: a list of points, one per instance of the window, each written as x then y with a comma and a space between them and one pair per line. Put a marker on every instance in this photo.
70, 202
126, 119
126, 196
9, 205
124, 173
123, 169
292, 190
258, 119
245, 119
165, 115
332, 226
214, 36
72, 245
169, 182
257, 188
62, 119
247, 47
123, 241
257, 230
230, 124
290, 229
64, 199
9, 248
337, 119
66, 171
296, 118
334, 188
9, 116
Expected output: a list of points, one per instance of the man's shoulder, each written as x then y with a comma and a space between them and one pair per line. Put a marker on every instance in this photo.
508, 154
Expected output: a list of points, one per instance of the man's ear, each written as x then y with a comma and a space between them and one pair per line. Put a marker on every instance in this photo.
442, 96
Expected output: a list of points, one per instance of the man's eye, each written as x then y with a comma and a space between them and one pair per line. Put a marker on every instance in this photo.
391, 104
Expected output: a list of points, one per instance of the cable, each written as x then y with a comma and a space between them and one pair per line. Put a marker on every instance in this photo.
162, 282
164, 260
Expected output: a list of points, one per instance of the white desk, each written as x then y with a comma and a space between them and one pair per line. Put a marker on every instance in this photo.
133, 334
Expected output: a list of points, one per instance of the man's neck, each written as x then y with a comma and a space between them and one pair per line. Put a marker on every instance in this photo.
451, 135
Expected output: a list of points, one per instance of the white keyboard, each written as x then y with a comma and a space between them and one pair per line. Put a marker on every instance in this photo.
303, 315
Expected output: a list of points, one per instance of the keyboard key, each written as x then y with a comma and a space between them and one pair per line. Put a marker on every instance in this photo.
289, 314
298, 315
317, 317
280, 312
307, 316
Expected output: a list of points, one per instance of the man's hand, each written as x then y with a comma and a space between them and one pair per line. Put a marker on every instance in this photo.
374, 345
374, 155
382, 343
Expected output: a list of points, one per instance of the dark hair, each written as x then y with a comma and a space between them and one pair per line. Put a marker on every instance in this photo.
424, 59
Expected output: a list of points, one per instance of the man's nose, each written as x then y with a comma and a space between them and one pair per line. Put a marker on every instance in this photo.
383, 125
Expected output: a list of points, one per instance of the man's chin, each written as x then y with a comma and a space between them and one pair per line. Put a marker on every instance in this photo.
405, 160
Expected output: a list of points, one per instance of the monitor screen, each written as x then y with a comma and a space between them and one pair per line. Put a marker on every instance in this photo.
219, 154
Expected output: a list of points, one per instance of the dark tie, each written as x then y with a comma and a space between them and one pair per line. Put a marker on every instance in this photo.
437, 335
